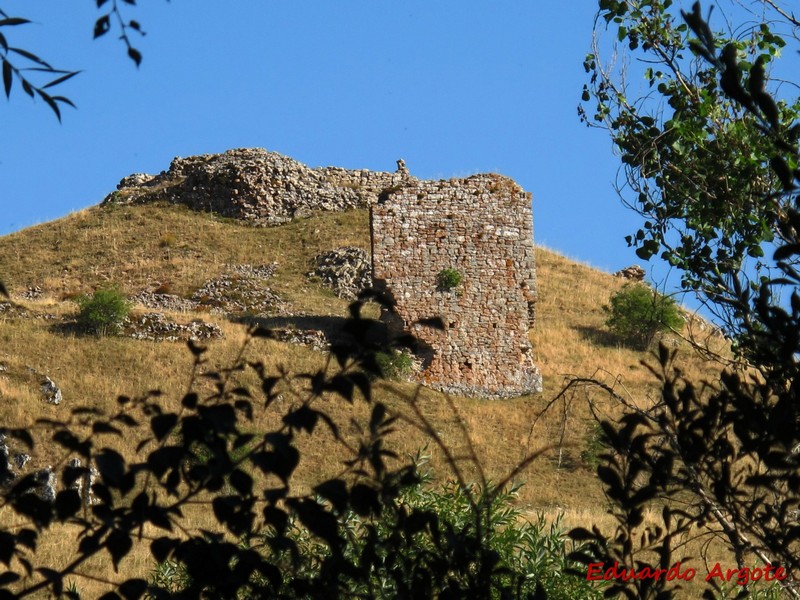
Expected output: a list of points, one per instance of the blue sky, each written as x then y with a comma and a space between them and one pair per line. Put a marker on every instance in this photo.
454, 88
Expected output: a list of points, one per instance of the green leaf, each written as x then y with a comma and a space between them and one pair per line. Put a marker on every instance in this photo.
135, 55
119, 544
102, 26
13, 21
61, 79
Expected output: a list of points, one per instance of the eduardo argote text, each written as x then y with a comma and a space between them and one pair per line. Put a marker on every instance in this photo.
743, 576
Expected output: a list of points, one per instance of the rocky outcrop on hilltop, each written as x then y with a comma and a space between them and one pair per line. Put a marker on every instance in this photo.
634, 272
253, 184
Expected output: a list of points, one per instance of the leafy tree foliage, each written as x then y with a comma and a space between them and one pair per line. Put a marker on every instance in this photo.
536, 549
695, 163
22, 66
638, 313
719, 459
368, 532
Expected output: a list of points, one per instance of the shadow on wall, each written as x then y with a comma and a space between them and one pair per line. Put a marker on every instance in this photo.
396, 328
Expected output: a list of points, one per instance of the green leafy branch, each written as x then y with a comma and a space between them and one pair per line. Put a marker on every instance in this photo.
103, 25
23, 66
34, 64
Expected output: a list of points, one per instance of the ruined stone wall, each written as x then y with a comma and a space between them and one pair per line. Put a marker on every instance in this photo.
482, 227
258, 186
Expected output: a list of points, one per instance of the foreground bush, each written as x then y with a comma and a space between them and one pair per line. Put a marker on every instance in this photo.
533, 554
372, 531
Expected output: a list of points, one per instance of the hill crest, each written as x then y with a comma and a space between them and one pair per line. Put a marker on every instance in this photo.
258, 186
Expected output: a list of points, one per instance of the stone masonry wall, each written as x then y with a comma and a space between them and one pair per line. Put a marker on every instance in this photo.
256, 185
482, 227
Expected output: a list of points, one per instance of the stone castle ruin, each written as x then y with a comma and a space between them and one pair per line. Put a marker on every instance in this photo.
479, 229
252, 184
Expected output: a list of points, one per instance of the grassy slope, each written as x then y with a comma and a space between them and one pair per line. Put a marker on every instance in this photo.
139, 247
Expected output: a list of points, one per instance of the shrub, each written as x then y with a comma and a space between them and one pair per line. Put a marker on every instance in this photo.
103, 312
447, 279
167, 240
532, 556
595, 445
394, 364
370, 530
638, 313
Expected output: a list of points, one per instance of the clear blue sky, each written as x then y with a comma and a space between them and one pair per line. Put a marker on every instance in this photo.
454, 88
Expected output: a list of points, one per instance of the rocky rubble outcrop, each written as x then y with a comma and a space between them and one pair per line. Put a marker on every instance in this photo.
346, 271
158, 301
256, 185
12, 310
51, 392
158, 327
242, 289
634, 273
32, 293
311, 338
9, 309
44, 481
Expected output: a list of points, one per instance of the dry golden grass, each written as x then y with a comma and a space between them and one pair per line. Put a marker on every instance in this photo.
143, 246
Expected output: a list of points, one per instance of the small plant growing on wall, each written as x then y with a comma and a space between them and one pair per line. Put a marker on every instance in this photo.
447, 279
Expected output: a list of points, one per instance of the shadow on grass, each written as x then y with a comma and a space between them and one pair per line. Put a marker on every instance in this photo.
378, 336
72, 328
336, 330
599, 337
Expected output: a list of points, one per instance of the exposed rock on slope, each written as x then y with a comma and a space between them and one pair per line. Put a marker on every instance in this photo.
346, 271
157, 327
253, 184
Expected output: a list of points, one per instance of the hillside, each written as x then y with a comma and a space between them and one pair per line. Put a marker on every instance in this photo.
173, 250
169, 248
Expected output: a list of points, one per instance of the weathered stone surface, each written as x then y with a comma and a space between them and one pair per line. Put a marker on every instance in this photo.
241, 289
11, 310
256, 185
32, 293
482, 228
51, 392
634, 272
164, 301
136, 180
158, 327
84, 482
347, 271
46, 480
21, 459
312, 338
6, 474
